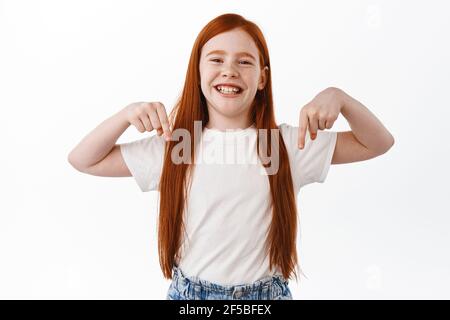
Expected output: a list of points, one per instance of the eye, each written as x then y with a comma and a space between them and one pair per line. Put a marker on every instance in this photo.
217, 60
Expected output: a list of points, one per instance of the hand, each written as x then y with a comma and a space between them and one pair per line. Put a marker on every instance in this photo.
320, 113
146, 116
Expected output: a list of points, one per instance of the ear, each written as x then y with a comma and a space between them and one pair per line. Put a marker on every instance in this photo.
263, 78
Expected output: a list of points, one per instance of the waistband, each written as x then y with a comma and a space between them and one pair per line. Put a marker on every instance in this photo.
267, 284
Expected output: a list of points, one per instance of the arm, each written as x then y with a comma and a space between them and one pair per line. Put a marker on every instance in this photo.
368, 138
98, 154
100, 144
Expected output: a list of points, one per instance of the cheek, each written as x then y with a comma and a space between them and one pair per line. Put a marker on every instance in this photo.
252, 80
206, 87
203, 80
205, 76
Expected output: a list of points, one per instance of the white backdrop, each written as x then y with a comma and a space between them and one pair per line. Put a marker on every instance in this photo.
374, 230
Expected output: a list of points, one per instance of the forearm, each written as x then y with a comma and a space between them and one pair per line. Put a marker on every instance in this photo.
99, 142
366, 127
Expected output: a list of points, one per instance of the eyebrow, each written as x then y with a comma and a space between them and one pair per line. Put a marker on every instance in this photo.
242, 53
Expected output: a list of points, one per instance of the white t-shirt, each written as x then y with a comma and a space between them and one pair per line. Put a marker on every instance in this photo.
227, 215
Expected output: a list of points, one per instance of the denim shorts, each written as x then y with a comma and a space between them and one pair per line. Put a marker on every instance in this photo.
194, 288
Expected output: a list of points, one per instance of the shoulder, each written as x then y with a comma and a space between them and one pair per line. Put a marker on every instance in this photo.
154, 142
290, 135
284, 127
143, 149
311, 163
144, 159
286, 130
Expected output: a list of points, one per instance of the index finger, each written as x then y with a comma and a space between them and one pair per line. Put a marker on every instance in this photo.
162, 115
303, 126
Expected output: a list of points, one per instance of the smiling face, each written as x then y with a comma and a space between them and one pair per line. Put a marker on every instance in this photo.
230, 58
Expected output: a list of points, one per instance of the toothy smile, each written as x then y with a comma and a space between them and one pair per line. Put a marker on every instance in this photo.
227, 89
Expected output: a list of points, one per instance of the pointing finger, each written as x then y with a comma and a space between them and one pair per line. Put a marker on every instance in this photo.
313, 125
303, 126
164, 121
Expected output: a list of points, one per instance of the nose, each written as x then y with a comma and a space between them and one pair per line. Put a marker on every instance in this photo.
229, 71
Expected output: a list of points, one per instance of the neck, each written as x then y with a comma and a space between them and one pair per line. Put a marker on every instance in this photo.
223, 123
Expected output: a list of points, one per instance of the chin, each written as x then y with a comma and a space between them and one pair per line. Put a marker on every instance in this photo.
226, 105
223, 109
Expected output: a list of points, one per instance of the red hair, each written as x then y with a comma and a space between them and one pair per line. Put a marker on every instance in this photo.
175, 178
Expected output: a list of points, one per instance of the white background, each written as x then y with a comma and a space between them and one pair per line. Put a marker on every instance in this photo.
374, 230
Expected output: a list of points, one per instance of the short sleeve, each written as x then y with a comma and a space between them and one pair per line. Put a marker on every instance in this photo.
310, 164
144, 158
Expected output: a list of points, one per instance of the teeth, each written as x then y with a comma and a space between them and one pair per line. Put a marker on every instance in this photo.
224, 89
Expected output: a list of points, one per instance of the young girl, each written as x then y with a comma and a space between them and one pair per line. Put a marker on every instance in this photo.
227, 231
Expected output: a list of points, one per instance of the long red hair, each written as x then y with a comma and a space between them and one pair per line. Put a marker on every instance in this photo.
176, 178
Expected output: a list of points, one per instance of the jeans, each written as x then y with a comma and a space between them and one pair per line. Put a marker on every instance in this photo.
194, 288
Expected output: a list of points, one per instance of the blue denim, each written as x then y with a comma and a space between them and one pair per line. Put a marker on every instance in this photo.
194, 288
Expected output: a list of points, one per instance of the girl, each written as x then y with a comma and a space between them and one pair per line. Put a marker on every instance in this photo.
226, 231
